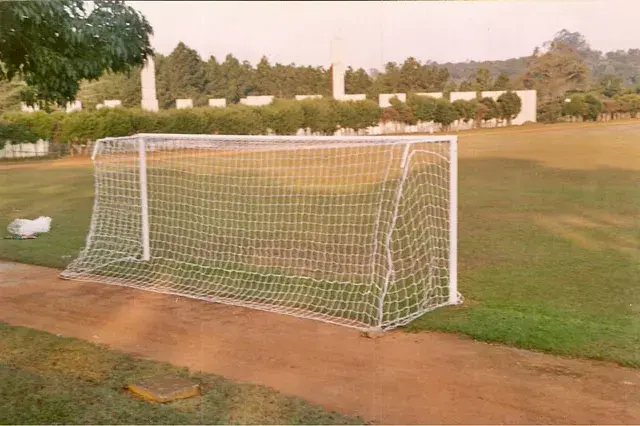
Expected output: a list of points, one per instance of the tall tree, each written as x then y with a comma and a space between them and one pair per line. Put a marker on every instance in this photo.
357, 81
53, 45
502, 82
555, 72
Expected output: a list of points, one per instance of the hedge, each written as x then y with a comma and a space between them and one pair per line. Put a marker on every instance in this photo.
282, 117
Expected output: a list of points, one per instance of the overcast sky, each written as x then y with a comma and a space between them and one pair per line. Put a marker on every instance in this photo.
378, 32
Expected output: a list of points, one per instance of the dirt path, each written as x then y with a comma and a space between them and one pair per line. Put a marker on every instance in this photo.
400, 378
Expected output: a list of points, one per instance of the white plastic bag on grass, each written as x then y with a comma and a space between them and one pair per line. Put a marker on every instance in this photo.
30, 227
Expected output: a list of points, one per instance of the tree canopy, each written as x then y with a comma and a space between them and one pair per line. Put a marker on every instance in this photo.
55, 44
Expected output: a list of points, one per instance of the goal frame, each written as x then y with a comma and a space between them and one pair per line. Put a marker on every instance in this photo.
454, 296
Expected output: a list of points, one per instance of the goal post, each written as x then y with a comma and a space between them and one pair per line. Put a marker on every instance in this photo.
359, 231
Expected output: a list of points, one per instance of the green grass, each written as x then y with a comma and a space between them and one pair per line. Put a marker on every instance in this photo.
46, 379
549, 236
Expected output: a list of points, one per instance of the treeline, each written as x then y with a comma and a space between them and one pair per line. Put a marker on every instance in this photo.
560, 68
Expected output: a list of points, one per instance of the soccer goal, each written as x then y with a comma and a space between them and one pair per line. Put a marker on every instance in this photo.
357, 231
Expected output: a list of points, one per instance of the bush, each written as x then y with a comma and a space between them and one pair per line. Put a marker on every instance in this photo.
398, 111
509, 106
284, 117
358, 115
422, 107
445, 113
15, 132
631, 104
593, 108
466, 110
550, 112
41, 125
487, 109
320, 115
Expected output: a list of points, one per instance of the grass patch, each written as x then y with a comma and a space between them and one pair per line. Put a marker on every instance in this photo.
549, 236
46, 379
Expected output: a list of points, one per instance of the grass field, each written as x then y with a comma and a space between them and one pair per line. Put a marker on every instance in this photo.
46, 379
549, 235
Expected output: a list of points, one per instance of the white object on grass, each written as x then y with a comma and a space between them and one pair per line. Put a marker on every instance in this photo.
30, 227
358, 231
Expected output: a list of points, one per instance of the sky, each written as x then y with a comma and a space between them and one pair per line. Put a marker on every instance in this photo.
376, 32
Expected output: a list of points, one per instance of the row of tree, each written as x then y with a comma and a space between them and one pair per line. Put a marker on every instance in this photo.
562, 65
284, 117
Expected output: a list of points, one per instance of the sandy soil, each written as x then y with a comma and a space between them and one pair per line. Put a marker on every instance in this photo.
398, 378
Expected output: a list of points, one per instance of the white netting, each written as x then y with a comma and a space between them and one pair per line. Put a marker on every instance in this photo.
354, 231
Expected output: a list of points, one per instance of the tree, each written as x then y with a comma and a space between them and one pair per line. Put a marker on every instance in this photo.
467, 110
509, 106
53, 45
502, 82
593, 108
482, 80
487, 109
357, 81
555, 72
445, 113
611, 86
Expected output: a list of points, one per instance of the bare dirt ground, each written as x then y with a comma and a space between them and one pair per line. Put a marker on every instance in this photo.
399, 378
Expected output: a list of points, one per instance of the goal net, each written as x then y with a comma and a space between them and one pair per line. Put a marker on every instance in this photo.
358, 231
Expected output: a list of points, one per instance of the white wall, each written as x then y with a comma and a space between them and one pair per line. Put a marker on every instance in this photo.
111, 103
384, 98
436, 95
25, 108
25, 150
465, 96
529, 104
184, 103
74, 106
357, 97
218, 102
257, 100
303, 97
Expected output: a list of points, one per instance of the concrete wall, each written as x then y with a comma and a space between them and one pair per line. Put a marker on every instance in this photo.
529, 104
465, 96
303, 97
356, 97
111, 103
73, 106
218, 102
184, 103
257, 100
384, 98
25, 150
25, 108
436, 95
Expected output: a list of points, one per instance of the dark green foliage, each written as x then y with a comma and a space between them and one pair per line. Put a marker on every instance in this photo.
593, 108
55, 44
550, 111
423, 107
358, 114
445, 113
320, 115
487, 109
466, 110
509, 106
284, 117
398, 111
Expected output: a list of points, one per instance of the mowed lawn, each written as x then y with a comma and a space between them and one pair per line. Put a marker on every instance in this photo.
549, 235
